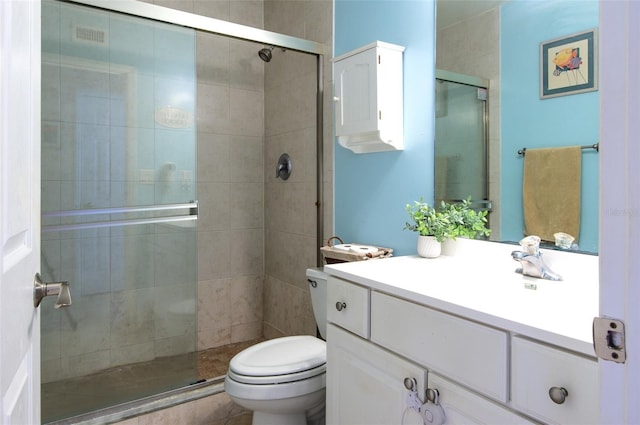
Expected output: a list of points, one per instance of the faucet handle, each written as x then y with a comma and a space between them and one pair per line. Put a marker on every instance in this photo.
530, 244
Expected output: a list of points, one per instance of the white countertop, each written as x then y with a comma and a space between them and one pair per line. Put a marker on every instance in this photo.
479, 283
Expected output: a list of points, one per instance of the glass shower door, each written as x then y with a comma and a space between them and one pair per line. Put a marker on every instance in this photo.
461, 143
118, 222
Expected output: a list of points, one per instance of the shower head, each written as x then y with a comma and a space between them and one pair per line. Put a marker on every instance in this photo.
265, 54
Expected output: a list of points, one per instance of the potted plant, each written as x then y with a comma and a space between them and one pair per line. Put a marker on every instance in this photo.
432, 226
465, 223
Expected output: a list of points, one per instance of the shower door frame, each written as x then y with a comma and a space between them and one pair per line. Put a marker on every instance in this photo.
246, 33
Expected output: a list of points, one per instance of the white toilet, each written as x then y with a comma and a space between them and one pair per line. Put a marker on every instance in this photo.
282, 380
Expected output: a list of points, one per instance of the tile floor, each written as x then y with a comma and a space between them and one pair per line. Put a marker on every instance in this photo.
75, 396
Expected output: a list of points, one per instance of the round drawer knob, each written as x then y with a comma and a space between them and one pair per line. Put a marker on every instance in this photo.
341, 306
558, 394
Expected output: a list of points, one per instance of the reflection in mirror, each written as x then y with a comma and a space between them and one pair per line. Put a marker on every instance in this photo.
461, 140
499, 41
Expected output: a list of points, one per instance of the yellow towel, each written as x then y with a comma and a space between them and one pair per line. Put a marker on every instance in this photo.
551, 191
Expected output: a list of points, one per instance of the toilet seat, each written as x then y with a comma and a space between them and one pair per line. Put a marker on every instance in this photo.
277, 379
280, 360
280, 368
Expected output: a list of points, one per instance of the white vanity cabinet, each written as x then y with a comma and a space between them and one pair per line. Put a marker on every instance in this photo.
483, 373
365, 383
368, 98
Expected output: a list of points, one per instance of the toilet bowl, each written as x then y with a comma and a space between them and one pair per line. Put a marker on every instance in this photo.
282, 380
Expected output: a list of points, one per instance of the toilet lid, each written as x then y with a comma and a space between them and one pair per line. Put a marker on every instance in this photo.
280, 356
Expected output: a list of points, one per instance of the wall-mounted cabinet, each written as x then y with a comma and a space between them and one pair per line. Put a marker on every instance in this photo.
368, 98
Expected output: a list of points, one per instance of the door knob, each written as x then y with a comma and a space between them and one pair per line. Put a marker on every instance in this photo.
43, 289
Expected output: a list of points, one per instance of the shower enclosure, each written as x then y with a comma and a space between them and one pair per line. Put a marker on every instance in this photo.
141, 118
461, 146
118, 203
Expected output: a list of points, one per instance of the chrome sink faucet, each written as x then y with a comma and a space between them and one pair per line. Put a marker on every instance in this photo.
533, 265
531, 260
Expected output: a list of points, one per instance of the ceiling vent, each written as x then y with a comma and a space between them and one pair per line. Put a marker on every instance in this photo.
93, 36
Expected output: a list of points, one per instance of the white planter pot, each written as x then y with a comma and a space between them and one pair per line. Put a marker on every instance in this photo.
449, 247
429, 247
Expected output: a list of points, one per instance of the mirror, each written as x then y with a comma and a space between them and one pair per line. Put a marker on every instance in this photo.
498, 41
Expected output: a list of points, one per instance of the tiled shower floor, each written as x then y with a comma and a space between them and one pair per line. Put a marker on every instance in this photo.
74, 396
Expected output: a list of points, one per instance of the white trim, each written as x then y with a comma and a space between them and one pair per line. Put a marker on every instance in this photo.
620, 202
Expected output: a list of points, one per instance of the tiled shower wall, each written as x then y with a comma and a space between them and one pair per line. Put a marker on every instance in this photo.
290, 126
230, 183
242, 288
230, 191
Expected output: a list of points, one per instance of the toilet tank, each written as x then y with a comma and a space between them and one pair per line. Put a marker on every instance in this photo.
317, 280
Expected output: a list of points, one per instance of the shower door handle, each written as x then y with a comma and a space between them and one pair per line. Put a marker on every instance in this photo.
43, 289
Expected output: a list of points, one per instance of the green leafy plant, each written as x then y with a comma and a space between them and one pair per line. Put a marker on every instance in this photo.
427, 221
449, 221
465, 221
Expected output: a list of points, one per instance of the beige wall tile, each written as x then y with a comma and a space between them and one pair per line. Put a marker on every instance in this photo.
246, 112
214, 304
246, 299
213, 255
246, 249
213, 51
248, 68
218, 9
246, 159
214, 313
214, 202
246, 331
247, 12
213, 111
214, 157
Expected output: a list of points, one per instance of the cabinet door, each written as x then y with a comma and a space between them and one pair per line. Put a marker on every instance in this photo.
467, 352
356, 105
365, 383
537, 368
463, 407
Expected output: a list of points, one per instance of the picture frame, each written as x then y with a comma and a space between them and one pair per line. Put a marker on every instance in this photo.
569, 65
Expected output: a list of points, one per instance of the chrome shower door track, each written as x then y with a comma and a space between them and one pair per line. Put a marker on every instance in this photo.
203, 23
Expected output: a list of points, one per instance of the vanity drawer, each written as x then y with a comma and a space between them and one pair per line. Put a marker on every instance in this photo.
348, 306
536, 368
469, 353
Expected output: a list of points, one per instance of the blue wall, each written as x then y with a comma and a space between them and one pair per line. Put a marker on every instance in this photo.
528, 121
371, 190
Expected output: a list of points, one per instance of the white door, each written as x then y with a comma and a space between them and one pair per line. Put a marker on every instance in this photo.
620, 202
19, 210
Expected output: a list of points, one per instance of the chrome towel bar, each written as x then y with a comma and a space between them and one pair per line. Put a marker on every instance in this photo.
191, 216
595, 146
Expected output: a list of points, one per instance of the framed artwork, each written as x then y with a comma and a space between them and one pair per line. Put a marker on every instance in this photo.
569, 65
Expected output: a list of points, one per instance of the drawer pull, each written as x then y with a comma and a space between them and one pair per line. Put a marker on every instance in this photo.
558, 394
341, 306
